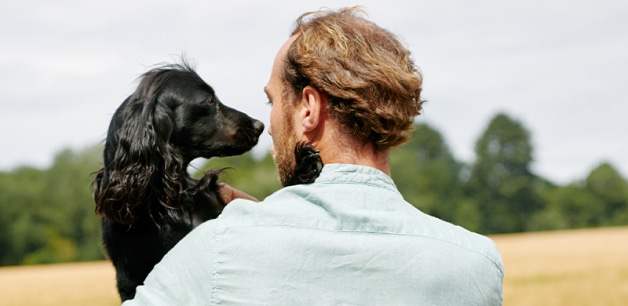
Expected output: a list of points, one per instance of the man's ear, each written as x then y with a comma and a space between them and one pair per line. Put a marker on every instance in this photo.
313, 103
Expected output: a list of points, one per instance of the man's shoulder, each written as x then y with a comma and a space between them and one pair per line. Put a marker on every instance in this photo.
283, 202
464, 240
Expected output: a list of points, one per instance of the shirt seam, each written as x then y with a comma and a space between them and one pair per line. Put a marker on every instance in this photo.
381, 186
215, 247
496, 264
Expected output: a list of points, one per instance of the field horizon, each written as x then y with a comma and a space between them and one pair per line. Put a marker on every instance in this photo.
573, 267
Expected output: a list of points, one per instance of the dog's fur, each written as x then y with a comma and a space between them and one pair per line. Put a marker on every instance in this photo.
143, 193
308, 165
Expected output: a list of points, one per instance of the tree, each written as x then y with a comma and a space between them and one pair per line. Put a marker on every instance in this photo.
427, 174
606, 185
568, 207
68, 190
501, 182
21, 220
48, 215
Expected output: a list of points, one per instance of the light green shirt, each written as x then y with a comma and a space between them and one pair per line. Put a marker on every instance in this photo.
348, 239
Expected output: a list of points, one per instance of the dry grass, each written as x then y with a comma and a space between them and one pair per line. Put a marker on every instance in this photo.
581, 267
578, 267
90, 283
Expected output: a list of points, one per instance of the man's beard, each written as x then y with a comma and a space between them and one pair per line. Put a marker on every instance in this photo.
284, 158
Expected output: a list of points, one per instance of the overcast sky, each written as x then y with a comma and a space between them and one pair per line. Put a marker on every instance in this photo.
559, 67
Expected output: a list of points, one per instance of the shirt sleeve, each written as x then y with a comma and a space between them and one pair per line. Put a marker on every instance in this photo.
184, 276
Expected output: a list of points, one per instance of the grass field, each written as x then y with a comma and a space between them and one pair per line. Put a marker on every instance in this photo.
580, 267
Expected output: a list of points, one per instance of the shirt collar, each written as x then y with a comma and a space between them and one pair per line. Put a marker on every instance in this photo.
355, 174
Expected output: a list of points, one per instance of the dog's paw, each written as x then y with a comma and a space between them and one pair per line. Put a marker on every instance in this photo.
308, 164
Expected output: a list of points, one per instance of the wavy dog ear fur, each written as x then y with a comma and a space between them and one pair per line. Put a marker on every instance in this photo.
140, 166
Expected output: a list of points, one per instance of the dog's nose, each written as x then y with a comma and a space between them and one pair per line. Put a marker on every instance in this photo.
258, 126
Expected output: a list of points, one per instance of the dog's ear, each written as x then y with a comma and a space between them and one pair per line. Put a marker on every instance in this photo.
141, 167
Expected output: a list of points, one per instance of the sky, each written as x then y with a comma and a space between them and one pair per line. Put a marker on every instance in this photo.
558, 67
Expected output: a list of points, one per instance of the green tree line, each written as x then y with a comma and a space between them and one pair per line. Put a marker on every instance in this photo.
47, 215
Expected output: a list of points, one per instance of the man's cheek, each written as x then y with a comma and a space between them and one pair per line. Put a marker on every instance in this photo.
272, 152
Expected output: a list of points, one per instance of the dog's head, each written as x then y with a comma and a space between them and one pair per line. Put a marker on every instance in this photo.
172, 118
188, 114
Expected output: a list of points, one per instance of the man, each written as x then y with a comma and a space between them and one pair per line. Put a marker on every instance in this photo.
350, 89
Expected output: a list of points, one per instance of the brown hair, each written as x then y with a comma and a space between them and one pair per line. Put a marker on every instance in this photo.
370, 79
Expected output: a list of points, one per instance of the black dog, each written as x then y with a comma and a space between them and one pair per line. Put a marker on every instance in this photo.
143, 193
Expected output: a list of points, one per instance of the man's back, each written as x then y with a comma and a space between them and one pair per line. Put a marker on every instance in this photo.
347, 239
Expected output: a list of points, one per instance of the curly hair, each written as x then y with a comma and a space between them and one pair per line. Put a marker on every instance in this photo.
369, 77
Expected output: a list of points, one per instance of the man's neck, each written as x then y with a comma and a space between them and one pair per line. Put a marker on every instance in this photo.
356, 155
338, 148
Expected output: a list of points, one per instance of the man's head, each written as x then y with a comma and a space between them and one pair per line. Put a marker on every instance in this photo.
368, 76
367, 86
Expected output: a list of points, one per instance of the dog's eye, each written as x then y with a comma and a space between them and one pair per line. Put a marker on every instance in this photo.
209, 101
